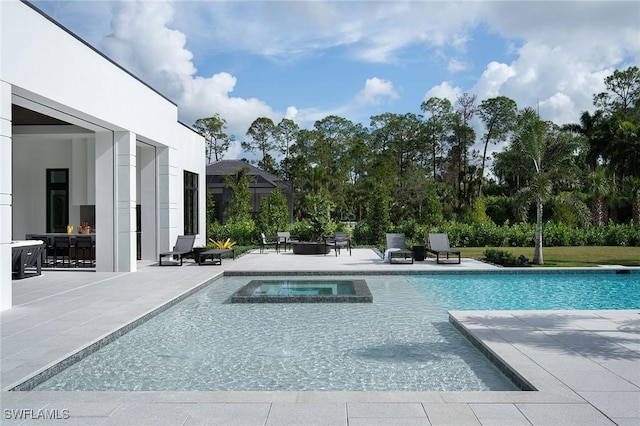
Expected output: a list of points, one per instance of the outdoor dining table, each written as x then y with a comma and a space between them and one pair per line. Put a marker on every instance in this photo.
61, 234
49, 237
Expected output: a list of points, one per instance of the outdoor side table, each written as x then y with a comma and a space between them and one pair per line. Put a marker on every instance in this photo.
419, 252
215, 255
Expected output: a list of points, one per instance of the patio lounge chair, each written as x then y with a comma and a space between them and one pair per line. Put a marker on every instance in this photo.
339, 239
183, 247
397, 249
439, 244
264, 243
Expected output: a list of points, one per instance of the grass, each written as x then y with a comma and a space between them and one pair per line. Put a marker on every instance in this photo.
570, 256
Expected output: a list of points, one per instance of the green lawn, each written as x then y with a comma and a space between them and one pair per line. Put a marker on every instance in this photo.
570, 256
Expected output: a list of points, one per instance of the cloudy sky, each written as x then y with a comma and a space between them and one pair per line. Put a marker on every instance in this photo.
305, 60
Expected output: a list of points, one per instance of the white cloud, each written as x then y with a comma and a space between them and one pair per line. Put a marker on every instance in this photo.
566, 50
541, 73
456, 65
291, 113
375, 89
373, 31
444, 91
143, 42
560, 106
560, 51
492, 79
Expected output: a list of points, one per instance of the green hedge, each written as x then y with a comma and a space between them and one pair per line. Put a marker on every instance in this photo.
486, 234
519, 234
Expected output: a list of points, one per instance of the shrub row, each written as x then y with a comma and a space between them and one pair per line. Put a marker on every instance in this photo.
487, 234
518, 234
505, 258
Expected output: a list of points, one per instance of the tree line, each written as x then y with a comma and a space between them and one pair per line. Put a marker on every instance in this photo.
424, 167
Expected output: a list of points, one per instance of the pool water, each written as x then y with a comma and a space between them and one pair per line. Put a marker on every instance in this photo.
400, 342
300, 287
531, 291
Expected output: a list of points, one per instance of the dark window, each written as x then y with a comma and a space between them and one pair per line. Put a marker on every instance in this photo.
57, 200
190, 203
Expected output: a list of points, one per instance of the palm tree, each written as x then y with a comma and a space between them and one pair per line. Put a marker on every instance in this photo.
549, 152
591, 129
632, 193
599, 186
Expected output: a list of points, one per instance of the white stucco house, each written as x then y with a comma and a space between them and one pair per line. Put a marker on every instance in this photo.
82, 139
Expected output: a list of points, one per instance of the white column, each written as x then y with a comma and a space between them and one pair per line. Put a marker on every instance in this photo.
79, 175
125, 143
167, 200
105, 202
5, 197
148, 204
202, 208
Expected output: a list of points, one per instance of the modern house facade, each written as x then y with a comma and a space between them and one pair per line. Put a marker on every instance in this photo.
261, 185
83, 140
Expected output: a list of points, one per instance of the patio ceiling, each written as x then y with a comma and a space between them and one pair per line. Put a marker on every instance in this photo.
25, 117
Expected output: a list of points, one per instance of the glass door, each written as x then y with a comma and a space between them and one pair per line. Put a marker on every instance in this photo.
57, 200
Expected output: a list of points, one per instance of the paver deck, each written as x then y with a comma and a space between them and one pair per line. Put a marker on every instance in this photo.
585, 365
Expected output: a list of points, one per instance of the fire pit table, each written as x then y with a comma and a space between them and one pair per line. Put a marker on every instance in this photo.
310, 247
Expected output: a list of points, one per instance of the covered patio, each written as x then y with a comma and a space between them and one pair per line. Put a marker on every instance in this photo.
87, 143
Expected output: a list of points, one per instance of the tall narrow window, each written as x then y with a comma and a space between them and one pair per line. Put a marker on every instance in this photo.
190, 203
57, 200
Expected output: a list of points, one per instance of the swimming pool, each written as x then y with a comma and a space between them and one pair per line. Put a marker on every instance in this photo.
402, 341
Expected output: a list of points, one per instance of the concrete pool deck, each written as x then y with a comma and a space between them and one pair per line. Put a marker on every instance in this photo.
585, 364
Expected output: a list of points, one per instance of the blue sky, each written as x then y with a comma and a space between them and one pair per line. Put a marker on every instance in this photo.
305, 60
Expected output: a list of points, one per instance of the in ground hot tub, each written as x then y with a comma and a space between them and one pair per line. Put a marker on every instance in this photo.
303, 291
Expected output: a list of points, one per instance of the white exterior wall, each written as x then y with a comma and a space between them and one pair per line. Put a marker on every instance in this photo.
5, 194
48, 70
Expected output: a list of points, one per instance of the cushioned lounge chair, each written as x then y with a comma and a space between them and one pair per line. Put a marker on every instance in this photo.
397, 249
183, 247
439, 245
339, 239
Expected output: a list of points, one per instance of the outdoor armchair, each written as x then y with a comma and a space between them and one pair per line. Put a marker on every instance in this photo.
339, 239
264, 243
284, 238
183, 247
439, 245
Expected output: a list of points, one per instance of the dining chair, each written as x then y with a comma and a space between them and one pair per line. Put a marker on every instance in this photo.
84, 244
62, 247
